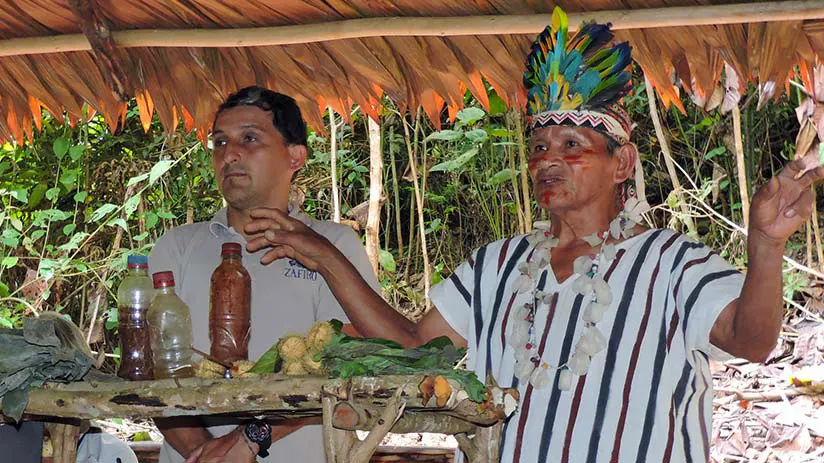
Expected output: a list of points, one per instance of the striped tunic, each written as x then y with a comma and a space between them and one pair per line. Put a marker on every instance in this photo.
648, 396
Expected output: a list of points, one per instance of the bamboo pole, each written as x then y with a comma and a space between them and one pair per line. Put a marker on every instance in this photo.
396, 193
510, 156
333, 159
697, 15
373, 219
413, 161
665, 149
740, 166
519, 129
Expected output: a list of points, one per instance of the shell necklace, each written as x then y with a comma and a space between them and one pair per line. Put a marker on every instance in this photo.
521, 334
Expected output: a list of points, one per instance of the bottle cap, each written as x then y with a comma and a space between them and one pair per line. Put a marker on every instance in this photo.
163, 279
229, 249
137, 261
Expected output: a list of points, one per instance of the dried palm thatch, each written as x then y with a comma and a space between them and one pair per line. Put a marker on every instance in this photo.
187, 83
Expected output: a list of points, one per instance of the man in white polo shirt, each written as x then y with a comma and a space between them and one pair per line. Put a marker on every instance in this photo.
259, 139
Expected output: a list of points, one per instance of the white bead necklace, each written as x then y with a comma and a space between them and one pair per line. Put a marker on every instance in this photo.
520, 331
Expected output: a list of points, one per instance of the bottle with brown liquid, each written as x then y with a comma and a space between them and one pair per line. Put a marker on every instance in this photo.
133, 298
230, 308
170, 325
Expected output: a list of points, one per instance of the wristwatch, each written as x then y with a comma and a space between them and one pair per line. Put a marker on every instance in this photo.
260, 433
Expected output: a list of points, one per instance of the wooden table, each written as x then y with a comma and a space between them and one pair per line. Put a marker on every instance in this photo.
376, 404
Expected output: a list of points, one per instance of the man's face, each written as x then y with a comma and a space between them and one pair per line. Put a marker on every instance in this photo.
253, 163
571, 167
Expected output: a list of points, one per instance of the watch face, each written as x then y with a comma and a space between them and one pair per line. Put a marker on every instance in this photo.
258, 431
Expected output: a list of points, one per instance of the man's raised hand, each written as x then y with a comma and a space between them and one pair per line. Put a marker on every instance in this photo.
287, 237
785, 202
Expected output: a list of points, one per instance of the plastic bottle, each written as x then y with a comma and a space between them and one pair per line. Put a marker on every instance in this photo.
170, 325
230, 308
133, 298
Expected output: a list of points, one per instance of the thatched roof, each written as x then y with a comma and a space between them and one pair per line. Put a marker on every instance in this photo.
414, 71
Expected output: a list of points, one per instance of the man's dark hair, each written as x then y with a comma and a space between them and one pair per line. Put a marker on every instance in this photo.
612, 145
286, 116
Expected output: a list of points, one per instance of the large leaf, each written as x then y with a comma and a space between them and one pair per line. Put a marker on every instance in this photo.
445, 135
60, 147
453, 165
159, 169
500, 177
131, 205
477, 136
469, 116
102, 212
387, 260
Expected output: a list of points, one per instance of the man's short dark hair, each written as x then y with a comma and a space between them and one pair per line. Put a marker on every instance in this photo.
286, 116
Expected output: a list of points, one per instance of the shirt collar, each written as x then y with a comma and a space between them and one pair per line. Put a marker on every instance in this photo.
219, 225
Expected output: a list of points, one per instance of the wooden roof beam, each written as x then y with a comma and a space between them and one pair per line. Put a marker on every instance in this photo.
703, 15
101, 42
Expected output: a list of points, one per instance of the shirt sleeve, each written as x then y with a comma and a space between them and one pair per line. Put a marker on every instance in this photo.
351, 247
704, 285
166, 255
453, 297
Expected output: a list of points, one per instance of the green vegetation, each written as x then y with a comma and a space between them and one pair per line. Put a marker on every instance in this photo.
77, 199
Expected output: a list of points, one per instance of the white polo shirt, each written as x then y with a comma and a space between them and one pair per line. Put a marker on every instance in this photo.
286, 298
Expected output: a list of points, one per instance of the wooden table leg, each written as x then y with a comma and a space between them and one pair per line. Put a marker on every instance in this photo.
64, 441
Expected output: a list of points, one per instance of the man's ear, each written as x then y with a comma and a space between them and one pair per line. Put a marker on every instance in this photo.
297, 157
625, 155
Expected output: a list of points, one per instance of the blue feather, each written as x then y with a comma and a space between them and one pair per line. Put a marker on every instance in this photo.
584, 63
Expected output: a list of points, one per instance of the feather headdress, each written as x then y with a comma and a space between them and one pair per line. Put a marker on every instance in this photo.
578, 80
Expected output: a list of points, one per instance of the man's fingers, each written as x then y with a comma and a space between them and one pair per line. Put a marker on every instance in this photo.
812, 176
260, 225
278, 252
195, 455
802, 207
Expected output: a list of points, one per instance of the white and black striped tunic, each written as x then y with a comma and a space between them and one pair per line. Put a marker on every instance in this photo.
648, 396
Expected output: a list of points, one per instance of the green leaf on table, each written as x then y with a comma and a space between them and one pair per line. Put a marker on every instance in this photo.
268, 361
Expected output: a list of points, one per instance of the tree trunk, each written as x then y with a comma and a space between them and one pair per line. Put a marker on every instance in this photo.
373, 221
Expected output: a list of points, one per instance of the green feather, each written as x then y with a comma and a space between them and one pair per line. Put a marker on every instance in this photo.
592, 72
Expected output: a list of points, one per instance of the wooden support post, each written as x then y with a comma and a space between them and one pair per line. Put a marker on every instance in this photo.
333, 159
373, 220
343, 446
740, 166
484, 446
64, 441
